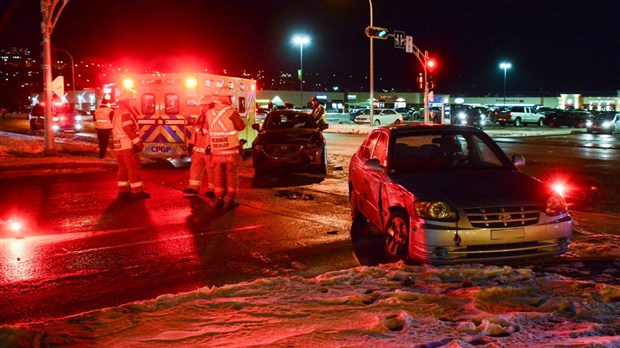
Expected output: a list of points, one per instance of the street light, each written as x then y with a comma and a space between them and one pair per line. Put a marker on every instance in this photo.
50, 11
505, 66
301, 40
72, 72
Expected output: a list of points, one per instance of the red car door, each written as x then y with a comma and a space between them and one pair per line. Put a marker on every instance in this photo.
372, 187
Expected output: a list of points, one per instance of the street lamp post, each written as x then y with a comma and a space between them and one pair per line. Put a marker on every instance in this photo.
372, 73
50, 12
72, 72
301, 40
505, 66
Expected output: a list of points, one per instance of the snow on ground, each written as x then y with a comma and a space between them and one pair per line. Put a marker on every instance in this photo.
391, 305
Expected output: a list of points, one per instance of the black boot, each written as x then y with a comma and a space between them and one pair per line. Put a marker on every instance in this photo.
190, 191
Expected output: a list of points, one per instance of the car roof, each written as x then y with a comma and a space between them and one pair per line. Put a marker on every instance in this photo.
422, 128
289, 112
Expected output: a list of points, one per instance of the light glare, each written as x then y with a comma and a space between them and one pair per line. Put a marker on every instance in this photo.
301, 40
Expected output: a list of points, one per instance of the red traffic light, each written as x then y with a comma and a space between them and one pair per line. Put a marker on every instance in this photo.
430, 64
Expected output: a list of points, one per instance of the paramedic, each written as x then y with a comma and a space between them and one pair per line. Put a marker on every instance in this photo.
318, 112
224, 123
127, 145
103, 125
198, 147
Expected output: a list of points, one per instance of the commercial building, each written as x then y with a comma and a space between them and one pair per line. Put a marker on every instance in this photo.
345, 100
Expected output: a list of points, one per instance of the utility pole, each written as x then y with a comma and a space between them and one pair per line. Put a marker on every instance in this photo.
427, 64
50, 11
372, 67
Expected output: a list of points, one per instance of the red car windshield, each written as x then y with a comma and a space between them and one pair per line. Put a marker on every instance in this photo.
416, 152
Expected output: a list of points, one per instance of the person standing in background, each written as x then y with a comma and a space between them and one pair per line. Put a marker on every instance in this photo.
318, 112
103, 125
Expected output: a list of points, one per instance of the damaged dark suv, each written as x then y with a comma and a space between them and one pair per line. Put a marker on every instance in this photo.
290, 141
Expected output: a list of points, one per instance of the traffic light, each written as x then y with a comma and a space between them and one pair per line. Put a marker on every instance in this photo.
377, 33
431, 83
430, 65
421, 82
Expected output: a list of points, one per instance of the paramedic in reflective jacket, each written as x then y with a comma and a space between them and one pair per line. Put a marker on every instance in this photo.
200, 170
127, 145
224, 123
318, 112
103, 125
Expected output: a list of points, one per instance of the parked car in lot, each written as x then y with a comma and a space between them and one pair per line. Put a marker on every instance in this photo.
289, 140
406, 112
380, 117
604, 122
434, 114
521, 116
499, 113
468, 115
567, 118
444, 194
356, 112
63, 118
260, 113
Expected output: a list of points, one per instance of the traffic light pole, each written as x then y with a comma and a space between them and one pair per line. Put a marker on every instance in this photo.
423, 59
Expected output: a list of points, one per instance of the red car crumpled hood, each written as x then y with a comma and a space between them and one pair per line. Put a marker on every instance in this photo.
476, 187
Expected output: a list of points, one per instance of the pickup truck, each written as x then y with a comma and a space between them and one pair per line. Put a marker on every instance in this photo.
521, 116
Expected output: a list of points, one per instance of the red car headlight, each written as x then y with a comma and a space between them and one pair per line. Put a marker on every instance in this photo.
435, 210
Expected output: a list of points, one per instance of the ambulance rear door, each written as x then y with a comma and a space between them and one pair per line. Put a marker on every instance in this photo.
167, 110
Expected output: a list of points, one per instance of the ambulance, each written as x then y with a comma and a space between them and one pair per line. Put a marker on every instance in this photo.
167, 108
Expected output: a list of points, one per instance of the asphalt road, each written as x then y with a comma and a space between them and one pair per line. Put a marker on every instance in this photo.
83, 249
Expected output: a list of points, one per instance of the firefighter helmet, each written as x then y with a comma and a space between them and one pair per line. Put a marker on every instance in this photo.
224, 95
205, 99
127, 94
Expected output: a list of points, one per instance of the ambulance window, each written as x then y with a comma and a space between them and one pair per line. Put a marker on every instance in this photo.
242, 105
147, 103
172, 104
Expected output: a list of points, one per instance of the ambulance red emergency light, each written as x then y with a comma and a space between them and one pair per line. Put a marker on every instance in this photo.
167, 107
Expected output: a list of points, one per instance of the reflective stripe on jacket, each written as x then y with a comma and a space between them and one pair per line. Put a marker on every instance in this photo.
102, 118
200, 137
124, 129
224, 139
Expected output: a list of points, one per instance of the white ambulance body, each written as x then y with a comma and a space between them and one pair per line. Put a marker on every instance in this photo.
168, 107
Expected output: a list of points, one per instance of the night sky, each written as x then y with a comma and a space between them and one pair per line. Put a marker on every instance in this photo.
554, 46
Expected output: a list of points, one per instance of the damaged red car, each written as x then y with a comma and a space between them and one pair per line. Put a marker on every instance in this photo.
444, 194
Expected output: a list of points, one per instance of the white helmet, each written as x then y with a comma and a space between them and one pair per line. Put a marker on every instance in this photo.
127, 94
205, 99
